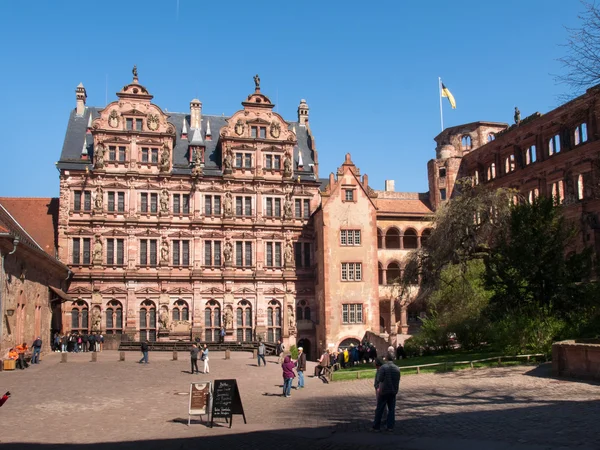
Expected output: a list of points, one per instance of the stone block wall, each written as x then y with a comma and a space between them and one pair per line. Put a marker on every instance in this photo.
576, 359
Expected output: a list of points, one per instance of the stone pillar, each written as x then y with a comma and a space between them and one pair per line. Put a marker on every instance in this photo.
121, 356
63, 357
404, 320
94, 356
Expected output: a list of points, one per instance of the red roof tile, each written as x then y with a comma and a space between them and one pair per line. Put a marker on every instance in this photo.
37, 216
401, 206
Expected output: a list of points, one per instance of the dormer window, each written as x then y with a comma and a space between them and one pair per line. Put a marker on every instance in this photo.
260, 132
139, 123
491, 137
349, 195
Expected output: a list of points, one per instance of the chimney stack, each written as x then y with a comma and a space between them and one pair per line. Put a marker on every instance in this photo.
195, 113
303, 113
389, 185
81, 96
208, 132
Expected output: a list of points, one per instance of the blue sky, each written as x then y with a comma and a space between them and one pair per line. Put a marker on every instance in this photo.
368, 71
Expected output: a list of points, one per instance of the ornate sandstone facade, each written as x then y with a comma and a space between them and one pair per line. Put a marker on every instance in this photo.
176, 224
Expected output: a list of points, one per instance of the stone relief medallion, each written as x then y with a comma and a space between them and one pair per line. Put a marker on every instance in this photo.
239, 127
152, 121
113, 119
275, 129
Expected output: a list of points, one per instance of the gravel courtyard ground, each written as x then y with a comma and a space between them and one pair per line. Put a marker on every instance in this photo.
126, 405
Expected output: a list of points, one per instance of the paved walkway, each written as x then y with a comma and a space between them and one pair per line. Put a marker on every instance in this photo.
125, 405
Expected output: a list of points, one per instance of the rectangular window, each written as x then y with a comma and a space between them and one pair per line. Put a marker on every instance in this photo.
76, 256
217, 253
298, 254
248, 254
86, 250
121, 201
239, 254
87, 201
253, 132
153, 203
176, 203
349, 195
143, 252
581, 133
110, 251
351, 271
217, 205
144, 202
307, 254
111, 201
277, 209
121, 154
277, 162
185, 200
208, 205
442, 194
77, 201
239, 206
248, 160
306, 209
352, 313
139, 124
441, 172
273, 256
154, 155
212, 253
238, 159
263, 132
115, 251
248, 206
298, 208
181, 253
350, 237
148, 252
112, 153
145, 154
269, 211
208, 253
268, 161
129, 124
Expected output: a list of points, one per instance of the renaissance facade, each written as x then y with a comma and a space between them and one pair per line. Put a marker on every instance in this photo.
176, 224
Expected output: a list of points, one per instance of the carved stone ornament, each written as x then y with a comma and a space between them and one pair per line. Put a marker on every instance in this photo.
113, 119
275, 129
99, 156
164, 163
239, 127
288, 256
152, 122
287, 166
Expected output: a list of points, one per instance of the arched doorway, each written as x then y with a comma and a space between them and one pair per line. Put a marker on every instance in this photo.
348, 341
305, 344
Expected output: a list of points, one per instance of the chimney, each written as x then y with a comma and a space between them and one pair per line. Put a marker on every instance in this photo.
389, 185
184, 129
365, 180
303, 113
300, 162
81, 96
89, 125
195, 113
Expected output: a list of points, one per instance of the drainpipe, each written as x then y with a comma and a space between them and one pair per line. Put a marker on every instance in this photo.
2, 313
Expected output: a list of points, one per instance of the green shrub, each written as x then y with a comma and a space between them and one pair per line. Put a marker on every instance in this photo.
294, 352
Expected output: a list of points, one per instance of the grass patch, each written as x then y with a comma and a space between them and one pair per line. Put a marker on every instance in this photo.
368, 371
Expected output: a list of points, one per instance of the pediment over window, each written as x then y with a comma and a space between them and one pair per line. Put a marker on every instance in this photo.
212, 290
133, 112
179, 291
114, 291
181, 234
243, 235
213, 234
149, 142
244, 290
258, 121
79, 290
115, 232
244, 190
243, 147
274, 236
80, 232
147, 290
115, 185
274, 291
115, 140
273, 148
148, 234
213, 188
274, 192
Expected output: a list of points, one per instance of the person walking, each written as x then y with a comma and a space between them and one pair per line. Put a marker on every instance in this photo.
37, 348
21, 350
387, 386
222, 334
301, 367
288, 375
261, 353
280, 349
194, 358
63, 343
323, 364
205, 359
145, 349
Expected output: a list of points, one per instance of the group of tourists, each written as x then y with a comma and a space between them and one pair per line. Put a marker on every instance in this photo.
75, 342
20, 352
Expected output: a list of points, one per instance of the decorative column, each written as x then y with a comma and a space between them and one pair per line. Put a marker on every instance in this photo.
404, 320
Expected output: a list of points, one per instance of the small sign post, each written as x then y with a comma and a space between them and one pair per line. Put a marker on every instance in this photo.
226, 401
200, 399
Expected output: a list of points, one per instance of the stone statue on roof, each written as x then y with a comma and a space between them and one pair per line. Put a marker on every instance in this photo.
257, 81
134, 71
517, 116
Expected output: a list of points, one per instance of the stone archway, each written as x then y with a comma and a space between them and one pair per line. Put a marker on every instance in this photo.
305, 344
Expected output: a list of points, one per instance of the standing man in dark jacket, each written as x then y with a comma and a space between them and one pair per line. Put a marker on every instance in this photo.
261, 353
301, 367
194, 358
145, 348
37, 348
387, 385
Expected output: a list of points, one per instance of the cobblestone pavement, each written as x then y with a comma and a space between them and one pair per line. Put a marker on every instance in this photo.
112, 404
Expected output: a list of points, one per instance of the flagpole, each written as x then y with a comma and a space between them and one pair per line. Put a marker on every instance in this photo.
441, 113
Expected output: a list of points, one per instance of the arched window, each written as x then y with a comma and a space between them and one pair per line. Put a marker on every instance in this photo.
425, 235
148, 321
302, 310
307, 313
476, 177
181, 311
299, 312
509, 164
466, 142
554, 145
380, 273
379, 238
393, 273
581, 133
491, 173
79, 317
212, 321
392, 238
244, 321
410, 239
274, 321
114, 317
580, 189
491, 137
530, 155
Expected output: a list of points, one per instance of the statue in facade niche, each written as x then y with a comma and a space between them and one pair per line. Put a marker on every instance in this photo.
99, 156
99, 198
164, 252
227, 162
228, 204
164, 159
228, 319
228, 252
97, 255
287, 166
163, 319
291, 318
96, 320
517, 116
164, 201
288, 255
288, 207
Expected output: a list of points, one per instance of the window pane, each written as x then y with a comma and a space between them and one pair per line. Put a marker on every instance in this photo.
207, 253
248, 317
152, 323
344, 313
248, 206
119, 323
248, 160
239, 316
208, 335
186, 252
109, 318
111, 201
153, 202
270, 317
307, 313
121, 201
239, 253
306, 208
142, 318
217, 253
207, 318
359, 314
270, 335
217, 209
217, 317
269, 254
153, 246
298, 207
76, 250
176, 203
110, 251
176, 253
185, 313
278, 316
120, 251
240, 334
277, 207
248, 254
143, 252
175, 314
86, 251
248, 334
306, 254
208, 205
238, 206
186, 204
75, 318
278, 254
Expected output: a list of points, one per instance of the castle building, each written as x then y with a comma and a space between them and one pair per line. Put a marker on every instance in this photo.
178, 224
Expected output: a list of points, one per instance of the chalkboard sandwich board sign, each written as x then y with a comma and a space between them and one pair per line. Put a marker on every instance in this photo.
226, 401
200, 395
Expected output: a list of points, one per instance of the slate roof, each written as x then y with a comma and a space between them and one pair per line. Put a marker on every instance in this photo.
75, 137
38, 217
